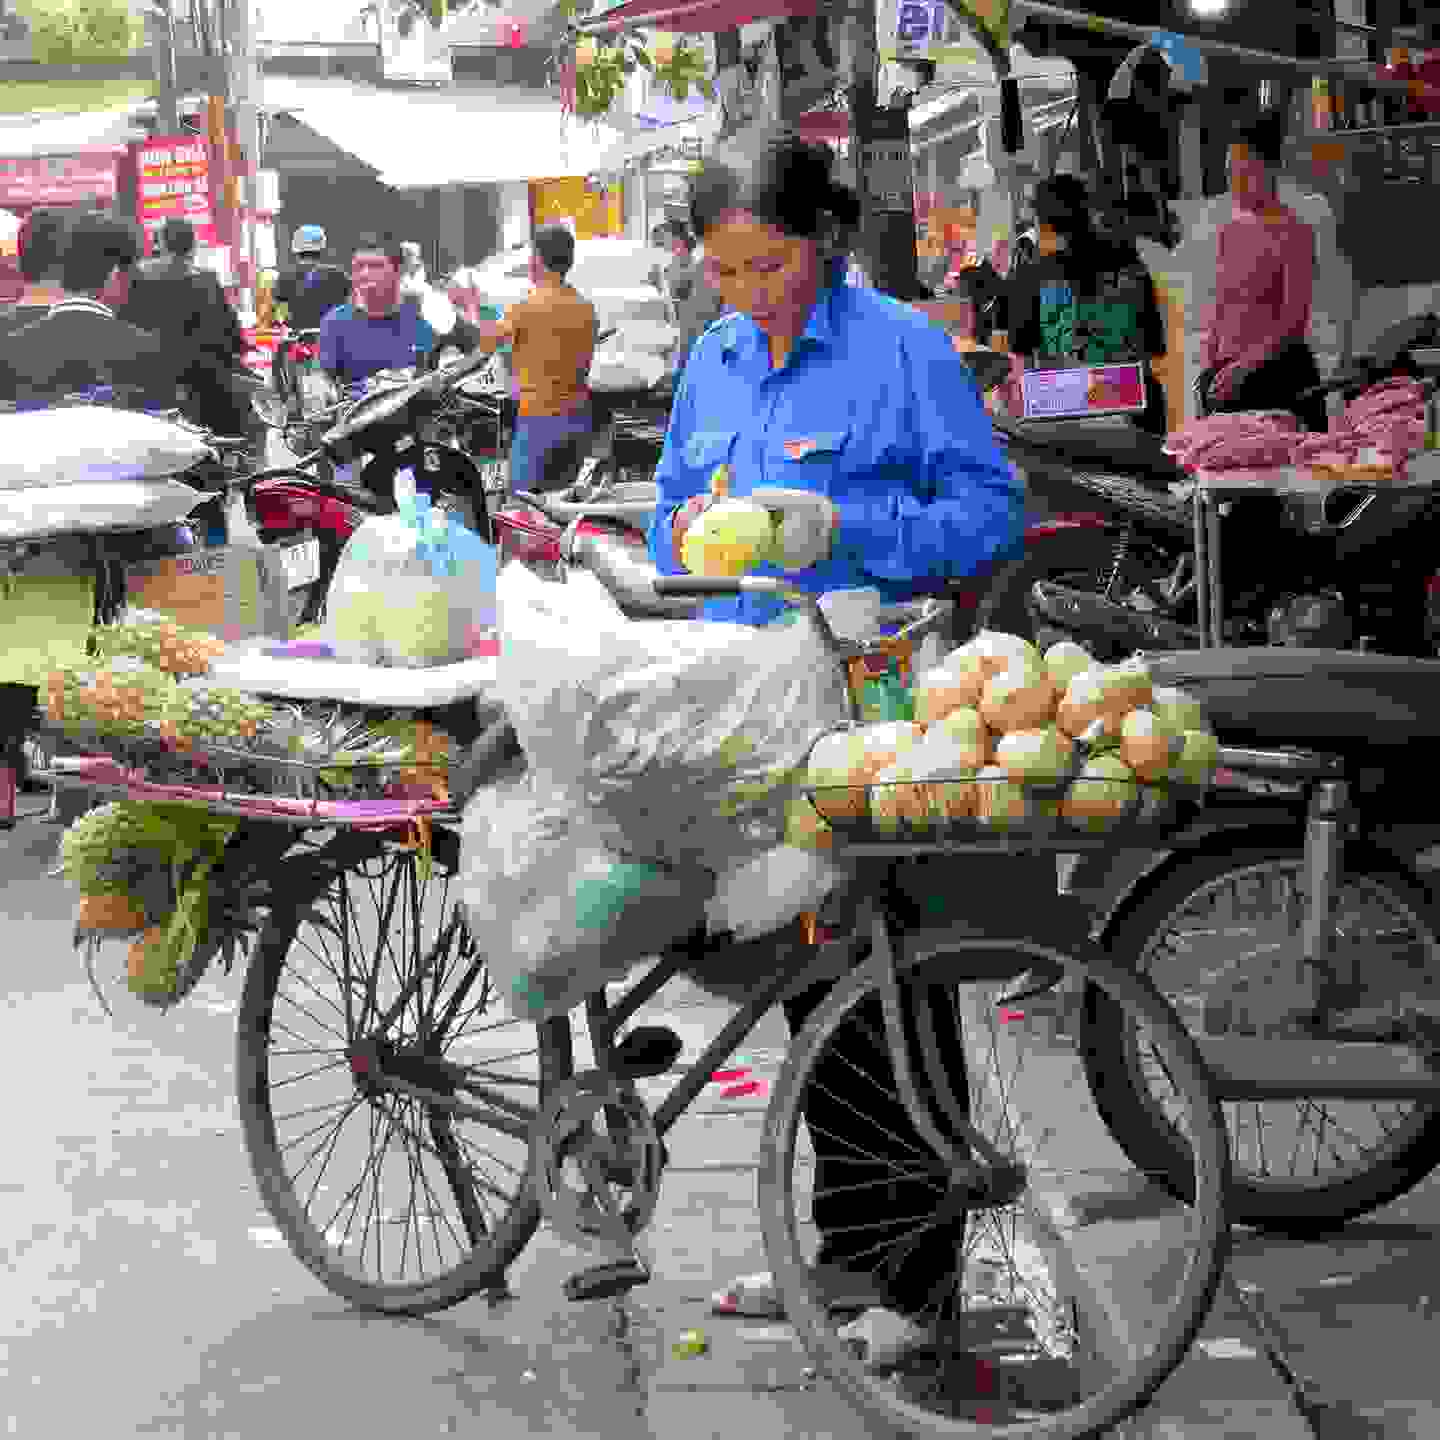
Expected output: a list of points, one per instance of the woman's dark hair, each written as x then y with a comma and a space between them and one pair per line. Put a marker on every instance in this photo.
1063, 203
95, 246
555, 246
386, 245
41, 243
778, 178
1264, 136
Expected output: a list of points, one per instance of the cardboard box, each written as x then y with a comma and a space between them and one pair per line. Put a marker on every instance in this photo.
191, 588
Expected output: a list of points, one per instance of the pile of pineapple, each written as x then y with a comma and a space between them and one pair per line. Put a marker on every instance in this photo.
159, 641
120, 698
211, 715
125, 860
363, 756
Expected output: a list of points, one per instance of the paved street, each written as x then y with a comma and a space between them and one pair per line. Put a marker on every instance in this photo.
149, 1295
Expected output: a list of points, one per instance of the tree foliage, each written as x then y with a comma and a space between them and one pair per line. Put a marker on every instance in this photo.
71, 32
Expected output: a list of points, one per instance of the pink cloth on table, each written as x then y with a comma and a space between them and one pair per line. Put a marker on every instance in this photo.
1264, 279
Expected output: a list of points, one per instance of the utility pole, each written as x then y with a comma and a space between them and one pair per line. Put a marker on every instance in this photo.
884, 168
244, 87
160, 22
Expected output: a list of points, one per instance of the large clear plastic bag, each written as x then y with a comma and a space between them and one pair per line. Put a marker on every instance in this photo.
556, 908
687, 737
413, 590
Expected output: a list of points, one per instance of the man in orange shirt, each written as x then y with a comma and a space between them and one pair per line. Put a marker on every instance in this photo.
553, 333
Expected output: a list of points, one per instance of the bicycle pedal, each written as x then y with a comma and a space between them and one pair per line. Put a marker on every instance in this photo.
604, 1282
647, 1051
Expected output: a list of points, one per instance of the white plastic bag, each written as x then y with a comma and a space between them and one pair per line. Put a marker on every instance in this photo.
762, 895
65, 509
557, 911
687, 736
414, 590
92, 445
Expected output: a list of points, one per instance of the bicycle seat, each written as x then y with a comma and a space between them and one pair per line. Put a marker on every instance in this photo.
1342, 700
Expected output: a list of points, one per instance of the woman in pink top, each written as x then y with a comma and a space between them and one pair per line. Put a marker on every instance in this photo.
1256, 355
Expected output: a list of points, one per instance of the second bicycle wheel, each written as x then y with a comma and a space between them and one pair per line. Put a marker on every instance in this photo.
1054, 1304
395, 1202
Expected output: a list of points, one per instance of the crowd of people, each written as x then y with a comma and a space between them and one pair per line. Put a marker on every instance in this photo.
94, 313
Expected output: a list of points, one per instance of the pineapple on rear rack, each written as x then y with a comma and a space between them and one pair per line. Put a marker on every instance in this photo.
121, 698
201, 715
159, 641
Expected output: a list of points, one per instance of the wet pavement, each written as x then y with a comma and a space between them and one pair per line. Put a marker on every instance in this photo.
148, 1293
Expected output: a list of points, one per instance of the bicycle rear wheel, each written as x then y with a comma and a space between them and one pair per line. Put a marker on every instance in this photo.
393, 1202
1075, 1290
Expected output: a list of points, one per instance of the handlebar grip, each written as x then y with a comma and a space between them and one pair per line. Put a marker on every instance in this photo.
698, 585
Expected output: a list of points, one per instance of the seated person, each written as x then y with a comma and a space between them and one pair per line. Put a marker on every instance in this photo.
1084, 300
377, 329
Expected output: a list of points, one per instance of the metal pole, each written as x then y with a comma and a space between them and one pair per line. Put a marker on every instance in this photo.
244, 90
162, 44
1221, 49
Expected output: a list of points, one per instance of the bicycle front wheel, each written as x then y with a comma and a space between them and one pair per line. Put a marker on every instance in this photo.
1061, 1296
393, 1200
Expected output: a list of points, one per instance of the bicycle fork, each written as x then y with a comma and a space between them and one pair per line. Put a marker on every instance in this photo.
1324, 846
981, 1173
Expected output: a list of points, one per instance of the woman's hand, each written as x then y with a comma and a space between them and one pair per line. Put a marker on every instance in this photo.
685, 517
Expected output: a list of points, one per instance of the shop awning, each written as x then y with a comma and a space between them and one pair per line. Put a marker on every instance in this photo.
422, 140
690, 17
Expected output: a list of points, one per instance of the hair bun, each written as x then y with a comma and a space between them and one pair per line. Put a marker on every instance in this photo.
842, 202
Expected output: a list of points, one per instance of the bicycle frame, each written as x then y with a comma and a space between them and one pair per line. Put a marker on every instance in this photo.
828, 960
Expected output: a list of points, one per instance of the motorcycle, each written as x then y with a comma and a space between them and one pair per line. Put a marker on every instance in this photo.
1115, 570
329, 492
1296, 930
302, 388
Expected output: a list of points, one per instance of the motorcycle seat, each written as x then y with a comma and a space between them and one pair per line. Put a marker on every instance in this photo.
1339, 700
1086, 446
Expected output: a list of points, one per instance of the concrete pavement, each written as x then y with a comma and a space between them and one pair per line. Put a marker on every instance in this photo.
148, 1293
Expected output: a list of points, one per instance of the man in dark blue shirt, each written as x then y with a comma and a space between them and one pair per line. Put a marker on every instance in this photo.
377, 330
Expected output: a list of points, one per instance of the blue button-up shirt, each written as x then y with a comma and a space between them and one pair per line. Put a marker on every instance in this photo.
879, 414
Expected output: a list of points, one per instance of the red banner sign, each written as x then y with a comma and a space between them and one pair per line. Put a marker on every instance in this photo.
173, 182
58, 179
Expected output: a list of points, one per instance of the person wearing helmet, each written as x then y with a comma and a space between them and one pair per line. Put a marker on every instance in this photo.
312, 287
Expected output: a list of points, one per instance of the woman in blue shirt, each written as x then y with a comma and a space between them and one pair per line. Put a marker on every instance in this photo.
817, 385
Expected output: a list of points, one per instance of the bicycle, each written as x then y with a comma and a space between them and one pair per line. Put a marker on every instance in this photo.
392, 1038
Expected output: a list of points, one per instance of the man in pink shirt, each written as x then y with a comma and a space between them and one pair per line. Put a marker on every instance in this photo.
1255, 352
